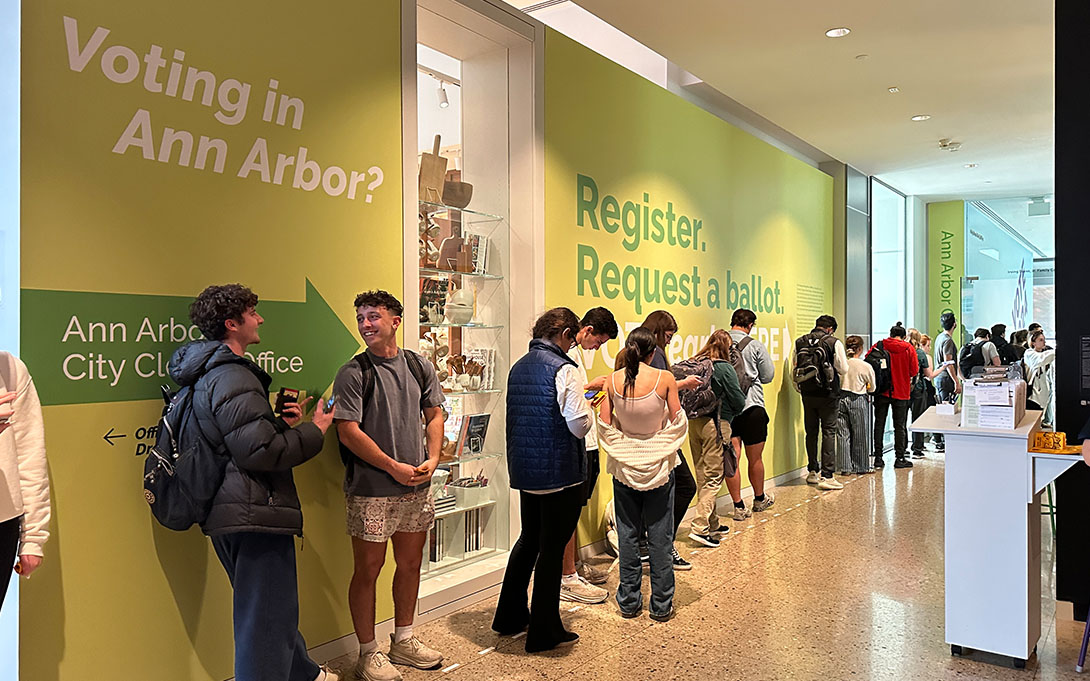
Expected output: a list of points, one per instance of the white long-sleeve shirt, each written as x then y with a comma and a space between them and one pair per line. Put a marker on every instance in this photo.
22, 459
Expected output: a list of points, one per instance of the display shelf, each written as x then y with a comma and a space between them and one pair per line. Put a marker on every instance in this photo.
471, 457
448, 325
435, 271
457, 393
442, 211
462, 509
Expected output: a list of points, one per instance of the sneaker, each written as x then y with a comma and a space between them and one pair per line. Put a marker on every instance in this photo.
813, 478
630, 615
940, 447
663, 618
879, 462
764, 504
414, 653
679, 562
592, 574
741, 513
705, 539
902, 463
830, 484
376, 667
579, 590
326, 674
918, 455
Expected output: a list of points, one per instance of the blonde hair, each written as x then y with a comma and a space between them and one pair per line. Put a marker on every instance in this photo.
915, 337
718, 345
925, 340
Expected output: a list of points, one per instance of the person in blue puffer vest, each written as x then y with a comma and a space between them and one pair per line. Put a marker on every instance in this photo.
547, 419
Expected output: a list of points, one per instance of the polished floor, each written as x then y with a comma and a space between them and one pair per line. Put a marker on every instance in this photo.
834, 585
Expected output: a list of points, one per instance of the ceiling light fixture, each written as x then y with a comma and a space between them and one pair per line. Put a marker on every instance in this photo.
894, 90
947, 145
971, 165
443, 101
839, 32
921, 117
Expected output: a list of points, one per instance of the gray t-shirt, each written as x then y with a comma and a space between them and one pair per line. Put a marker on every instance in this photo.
945, 350
392, 419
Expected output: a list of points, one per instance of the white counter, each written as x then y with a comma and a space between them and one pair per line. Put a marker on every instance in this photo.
993, 533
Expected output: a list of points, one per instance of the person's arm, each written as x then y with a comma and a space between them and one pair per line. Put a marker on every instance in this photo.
928, 372
573, 406
872, 382
951, 369
995, 360
433, 440
766, 370
29, 434
673, 402
605, 411
840, 358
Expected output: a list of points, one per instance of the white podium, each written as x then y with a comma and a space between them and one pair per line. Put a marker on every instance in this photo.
993, 533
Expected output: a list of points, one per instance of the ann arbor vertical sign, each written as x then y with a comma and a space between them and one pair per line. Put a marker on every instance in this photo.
945, 261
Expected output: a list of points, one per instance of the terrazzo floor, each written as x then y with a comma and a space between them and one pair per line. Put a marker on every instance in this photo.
833, 585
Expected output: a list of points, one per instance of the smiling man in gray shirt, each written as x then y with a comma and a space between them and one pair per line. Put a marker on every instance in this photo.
390, 426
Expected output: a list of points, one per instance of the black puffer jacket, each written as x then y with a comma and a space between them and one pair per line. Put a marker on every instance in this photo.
232, 394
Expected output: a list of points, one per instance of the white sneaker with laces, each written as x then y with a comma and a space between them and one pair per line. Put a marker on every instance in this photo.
376, 667
830, 484
414, 653
813, 478
326, 674
579, 590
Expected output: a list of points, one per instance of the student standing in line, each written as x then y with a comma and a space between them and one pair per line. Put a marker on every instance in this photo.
643, 426
855, 413
1006, 351
24, 499
547, 419
921, 396
663, 326
750, 428
579, 579
819, 362
390, 426
947, 376
1020, 342
903, 365
980, 352
256, 514
709, 442
1039, 375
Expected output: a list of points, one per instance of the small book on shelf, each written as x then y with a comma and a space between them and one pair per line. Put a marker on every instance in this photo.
473, 431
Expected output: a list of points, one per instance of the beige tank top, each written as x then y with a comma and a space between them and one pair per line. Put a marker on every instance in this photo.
641, 416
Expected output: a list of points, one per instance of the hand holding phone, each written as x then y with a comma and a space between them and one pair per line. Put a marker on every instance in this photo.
283, 398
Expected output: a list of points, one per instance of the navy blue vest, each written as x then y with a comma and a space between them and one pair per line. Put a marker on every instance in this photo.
541, 452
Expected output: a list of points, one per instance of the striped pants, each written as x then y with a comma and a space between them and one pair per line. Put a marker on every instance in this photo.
854, 433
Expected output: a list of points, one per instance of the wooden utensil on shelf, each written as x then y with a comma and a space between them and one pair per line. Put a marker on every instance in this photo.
433, 170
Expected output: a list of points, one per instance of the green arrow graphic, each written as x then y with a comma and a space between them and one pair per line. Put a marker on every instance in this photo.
110, 347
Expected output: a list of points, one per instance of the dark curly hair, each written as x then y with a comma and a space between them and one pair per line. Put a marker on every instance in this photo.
216, 304
555, 322
379, 298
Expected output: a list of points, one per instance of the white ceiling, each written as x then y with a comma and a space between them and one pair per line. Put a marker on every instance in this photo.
981, 68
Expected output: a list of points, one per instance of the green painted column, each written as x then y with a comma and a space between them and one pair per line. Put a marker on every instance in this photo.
945, 260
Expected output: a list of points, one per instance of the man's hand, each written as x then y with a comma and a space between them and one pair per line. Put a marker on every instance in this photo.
596, 385
423, 472
27, 565
689, 383
323, 419
957, 388
403, 473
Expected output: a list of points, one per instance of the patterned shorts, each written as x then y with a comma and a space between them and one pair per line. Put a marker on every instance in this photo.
378, 518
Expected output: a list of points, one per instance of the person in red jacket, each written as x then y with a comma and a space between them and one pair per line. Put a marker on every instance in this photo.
903, 366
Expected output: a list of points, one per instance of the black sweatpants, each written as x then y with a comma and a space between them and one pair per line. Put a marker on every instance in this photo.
10, 531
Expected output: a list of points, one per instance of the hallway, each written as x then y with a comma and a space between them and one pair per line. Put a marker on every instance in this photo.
835, 585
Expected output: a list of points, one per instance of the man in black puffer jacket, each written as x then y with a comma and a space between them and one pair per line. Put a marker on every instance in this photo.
256, 512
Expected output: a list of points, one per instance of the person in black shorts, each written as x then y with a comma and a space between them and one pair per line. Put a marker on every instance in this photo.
750, 428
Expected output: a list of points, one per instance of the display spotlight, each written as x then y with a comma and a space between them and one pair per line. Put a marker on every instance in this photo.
443, 101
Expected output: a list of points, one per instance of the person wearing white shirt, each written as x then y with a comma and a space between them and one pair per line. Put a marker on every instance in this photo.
1039, 374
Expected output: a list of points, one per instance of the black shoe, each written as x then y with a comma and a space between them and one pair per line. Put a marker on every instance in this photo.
918, 455
879, 463
631, 615
940, 447
566, 639
902, 463
679, 562
708, 539
663, 618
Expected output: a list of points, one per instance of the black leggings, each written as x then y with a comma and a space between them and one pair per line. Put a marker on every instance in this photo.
10, 531
684, 491
548, 521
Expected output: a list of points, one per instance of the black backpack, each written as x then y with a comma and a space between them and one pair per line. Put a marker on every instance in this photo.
739, 364
699, 401
416, 368
971, 356
183, 471
814, 364
879, 359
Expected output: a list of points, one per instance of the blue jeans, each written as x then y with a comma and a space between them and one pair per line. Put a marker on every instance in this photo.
653, 509
268, 645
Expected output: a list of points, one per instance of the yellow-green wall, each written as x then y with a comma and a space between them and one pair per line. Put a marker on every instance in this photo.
763, 214
945, 260
118, 595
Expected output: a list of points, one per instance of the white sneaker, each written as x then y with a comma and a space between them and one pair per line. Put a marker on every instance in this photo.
414, 653
764, 504
376, 667
813, 478
579, 590
326, 674
830, 484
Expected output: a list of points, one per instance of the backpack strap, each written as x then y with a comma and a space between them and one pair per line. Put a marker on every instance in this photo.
367, 366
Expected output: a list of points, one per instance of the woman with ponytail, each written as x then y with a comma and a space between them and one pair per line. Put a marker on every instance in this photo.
641, 427
662, 326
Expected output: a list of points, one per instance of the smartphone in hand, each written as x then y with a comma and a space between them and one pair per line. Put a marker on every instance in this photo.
283, 397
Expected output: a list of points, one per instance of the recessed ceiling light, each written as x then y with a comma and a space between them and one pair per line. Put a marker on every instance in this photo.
861, 57
921, 117
838, 32
971, 165
894, 90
